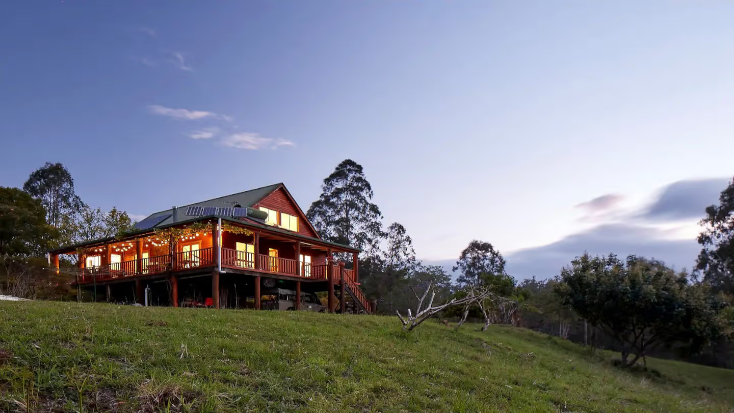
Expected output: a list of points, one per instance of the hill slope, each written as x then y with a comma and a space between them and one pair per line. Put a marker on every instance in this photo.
55, 355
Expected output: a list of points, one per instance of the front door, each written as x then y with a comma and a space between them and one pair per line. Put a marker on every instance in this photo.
306, 264
190, 255
273, 253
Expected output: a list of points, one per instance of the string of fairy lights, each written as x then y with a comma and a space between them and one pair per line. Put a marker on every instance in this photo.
163, 237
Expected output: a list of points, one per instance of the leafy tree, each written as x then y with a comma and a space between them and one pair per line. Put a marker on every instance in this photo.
386, 273
53, 185
480, 263
92, 224
544, 309
716, 260
641, 303
344, 212
23, 227
437, 275
399, 254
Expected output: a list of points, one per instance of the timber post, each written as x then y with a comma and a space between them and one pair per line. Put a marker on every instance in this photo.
298, 295
256, 247
299, 264
139, 253
257, 292
330, 277
355, 266
343, 289
55, 262
215, 288
174, 290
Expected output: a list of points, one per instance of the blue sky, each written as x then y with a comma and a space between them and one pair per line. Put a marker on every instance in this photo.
473, 119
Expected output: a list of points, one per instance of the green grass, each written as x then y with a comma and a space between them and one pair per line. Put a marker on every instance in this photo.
100, 357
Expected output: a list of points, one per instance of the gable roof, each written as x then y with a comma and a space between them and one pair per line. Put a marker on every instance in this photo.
243, 199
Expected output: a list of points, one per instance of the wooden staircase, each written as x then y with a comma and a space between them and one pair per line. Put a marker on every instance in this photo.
354, 299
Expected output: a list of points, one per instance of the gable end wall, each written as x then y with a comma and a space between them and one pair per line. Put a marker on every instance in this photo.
278, 200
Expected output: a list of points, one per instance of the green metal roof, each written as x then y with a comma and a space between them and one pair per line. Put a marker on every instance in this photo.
244, 199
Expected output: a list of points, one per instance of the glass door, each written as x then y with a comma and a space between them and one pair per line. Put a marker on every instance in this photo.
190, 255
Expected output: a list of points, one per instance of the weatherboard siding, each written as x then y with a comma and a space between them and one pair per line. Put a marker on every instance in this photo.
279, 201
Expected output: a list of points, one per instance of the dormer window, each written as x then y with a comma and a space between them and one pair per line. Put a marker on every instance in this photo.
272, 218
289, 222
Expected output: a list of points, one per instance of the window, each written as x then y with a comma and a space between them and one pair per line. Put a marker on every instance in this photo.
92, 262
190, 255
115, 260
245, 255
306, 264
289, 222
273, 253
272, 218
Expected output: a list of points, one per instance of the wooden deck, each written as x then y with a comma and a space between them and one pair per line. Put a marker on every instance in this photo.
187, 261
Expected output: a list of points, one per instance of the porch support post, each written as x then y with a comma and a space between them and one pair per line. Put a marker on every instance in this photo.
215, 288
174, 290
257, 292
256, 247
108, 257
215, 243
355, 266
139, 292
139, 252
108, 293
298, 261
330, 277
298, 295
55, 262
80, 261
216, 240
343, 288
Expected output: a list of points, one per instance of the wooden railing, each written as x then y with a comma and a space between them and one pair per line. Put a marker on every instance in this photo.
278, 265
237, 259
349, 275
193, 259
154, 265
318, 271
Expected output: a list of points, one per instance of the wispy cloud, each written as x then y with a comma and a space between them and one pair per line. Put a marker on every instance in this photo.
144, 61
186, 114
180, 62
147, 31
601, 203
253, 142
206, 133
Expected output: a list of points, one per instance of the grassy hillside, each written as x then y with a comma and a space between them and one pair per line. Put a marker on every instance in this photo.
55, 356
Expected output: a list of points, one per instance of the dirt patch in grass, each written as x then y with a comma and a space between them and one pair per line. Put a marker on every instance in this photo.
168, 397
156, 323
5, 356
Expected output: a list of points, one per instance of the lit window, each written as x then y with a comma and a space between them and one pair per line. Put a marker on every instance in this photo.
289, 222
272, 218
306, 264
245, 255
273, 258
93, 262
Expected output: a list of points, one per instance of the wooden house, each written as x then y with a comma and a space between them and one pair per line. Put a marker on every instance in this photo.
234, 251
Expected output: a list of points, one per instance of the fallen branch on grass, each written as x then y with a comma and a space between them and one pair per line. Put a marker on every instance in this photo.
424, 313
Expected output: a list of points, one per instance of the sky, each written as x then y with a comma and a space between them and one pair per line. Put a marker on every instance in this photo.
545, 128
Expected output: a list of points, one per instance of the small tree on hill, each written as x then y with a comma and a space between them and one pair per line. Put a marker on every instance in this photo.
641, 303
478, 262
